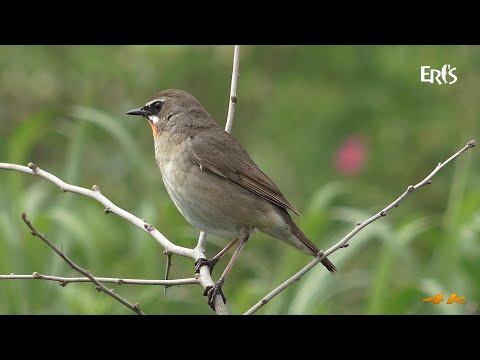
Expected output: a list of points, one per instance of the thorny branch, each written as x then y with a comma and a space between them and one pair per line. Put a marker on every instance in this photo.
204, 278
100, 286
359, 226
64, 281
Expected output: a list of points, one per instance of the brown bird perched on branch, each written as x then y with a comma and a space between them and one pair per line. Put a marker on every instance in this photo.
214, 183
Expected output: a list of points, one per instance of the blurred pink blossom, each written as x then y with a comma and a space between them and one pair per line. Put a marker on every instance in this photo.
350, 156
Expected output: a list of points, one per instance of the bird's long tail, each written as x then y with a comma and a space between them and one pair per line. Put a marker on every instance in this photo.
312, 248
329, 265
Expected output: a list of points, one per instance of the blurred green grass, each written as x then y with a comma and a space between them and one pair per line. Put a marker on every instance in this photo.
63, 108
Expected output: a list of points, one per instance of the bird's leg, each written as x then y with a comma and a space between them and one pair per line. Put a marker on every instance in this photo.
212, 291
213, 261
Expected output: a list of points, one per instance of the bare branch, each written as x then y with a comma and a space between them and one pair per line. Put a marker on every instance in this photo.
228, 128
32, 169
110, 207
202, 240
359, 226
100, 286
63, 281
233, 89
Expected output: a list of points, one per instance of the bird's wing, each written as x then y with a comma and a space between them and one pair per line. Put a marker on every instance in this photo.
217, 151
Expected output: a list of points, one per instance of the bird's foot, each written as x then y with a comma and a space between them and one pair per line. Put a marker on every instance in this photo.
212, 291
202, 262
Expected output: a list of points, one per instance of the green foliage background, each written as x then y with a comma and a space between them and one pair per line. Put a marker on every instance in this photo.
63, 108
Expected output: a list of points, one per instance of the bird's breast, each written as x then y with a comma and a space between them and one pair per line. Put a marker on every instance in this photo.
175, 166
206, 200
190, 188
196, 198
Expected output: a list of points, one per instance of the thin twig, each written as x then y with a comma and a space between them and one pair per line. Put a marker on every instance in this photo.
202, 238
202, 241
63, 281
233, 89
110, 207
359, 226
100, 286
167, 270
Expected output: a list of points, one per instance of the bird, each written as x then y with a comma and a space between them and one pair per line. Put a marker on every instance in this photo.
215, 184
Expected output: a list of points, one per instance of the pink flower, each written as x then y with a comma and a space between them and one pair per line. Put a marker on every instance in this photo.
350, 157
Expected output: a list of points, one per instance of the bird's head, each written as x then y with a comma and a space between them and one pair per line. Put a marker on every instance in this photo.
174, 110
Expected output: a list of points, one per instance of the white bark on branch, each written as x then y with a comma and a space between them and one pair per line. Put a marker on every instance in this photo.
74, 266
63, 281
233, 89
359, 226
110, 207
204, 278
202, 239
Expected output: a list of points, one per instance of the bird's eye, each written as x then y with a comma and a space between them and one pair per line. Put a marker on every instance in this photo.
157, 105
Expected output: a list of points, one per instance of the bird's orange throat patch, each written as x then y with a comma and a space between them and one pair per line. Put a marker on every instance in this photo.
154, 128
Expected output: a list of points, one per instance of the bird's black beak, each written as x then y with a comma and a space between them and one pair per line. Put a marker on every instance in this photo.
140, 111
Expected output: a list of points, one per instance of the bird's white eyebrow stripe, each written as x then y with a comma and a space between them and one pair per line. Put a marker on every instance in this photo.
152, 101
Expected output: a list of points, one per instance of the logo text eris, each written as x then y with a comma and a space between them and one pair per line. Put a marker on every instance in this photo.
440, 76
